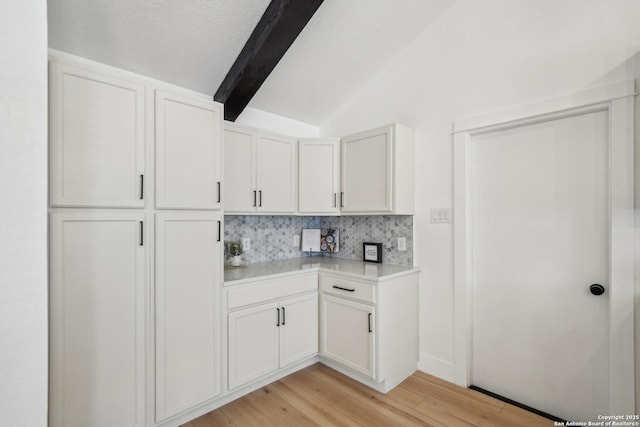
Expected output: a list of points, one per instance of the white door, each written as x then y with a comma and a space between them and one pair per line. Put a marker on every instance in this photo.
347, 334
253, 343
188, 152
539, 239
277, 174
319, 175
366, 171
298, 329
188, 285
240, 195
97, 139
97, 338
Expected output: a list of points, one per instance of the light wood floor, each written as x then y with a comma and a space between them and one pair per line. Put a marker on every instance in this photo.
320, 396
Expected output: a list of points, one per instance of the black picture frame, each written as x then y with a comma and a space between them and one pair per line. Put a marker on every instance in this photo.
372, 252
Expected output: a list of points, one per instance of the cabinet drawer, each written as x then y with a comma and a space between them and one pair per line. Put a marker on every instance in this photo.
348, 288
270, 289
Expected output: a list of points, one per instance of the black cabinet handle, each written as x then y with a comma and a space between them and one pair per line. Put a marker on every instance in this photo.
283, 316
218, 191
335, 196
343, 289
260, 198
369, 319
219, 230
141, 233
254, 198
141, 187
342, 199
278, 317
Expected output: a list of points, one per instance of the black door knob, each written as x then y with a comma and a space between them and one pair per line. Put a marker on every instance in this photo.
596, 289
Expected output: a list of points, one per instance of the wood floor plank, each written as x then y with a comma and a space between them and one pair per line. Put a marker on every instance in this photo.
212, 419
320, 396
317, 410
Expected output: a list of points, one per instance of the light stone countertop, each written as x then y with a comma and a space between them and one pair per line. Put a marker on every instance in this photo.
288, 267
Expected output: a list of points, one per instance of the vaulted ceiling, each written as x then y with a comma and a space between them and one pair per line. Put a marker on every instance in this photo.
193, 43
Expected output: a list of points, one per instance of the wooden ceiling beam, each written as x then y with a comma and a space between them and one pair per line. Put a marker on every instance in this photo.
279, 26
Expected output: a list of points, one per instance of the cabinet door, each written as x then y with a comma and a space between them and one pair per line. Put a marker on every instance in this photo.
366, 171
240, 195
347, 334
318, 175
277, 174
298, 329
96, 139
98, 298
188, 286
253, 343
188, 152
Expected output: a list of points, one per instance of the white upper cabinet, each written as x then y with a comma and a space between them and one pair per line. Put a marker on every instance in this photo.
260, 172
239, 170
97, 139
377, 171
319, 176
277, 174
188, 152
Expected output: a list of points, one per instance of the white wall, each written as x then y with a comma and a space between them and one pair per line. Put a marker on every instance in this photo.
480, 57
275, 123
23, 213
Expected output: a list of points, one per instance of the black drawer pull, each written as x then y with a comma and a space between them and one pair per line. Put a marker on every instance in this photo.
219, 191
370, 330
255, 198
343, 289
283, 316
278, 316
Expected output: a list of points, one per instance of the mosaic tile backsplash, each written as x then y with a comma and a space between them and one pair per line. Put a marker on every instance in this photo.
272, 236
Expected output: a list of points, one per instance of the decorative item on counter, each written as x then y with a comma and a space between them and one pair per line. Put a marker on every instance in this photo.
329, 240
234, 250
372, 252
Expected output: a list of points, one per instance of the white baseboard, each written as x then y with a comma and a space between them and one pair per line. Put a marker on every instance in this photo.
437, 367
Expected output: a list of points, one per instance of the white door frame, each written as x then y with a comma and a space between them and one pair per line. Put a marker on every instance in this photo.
617, 100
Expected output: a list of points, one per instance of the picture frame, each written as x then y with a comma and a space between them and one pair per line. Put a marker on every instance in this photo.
372, 252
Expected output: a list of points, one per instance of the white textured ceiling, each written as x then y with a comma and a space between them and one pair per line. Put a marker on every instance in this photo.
190, 43
193, 43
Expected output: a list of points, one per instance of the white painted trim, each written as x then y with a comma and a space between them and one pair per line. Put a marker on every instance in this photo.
617, 100
588, 97
437, 367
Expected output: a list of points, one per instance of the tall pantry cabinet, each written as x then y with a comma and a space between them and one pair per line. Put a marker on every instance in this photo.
135, 247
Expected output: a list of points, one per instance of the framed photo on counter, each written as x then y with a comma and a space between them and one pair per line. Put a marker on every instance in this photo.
372, 252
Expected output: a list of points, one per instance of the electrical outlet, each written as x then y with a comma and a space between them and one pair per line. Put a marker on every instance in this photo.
246, 244
402, 243
296, 240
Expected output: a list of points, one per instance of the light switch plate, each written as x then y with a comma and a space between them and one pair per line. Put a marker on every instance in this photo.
296, 240
441, 215
246, 244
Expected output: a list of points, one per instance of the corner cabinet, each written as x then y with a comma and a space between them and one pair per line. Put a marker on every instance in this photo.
260, 172
272, 324
97, 139
377, 172
188, 152
319, 176
369, 328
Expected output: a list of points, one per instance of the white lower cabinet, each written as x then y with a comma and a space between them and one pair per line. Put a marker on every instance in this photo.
272, 334
347, 334
369, 327
188, 295
98, 302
